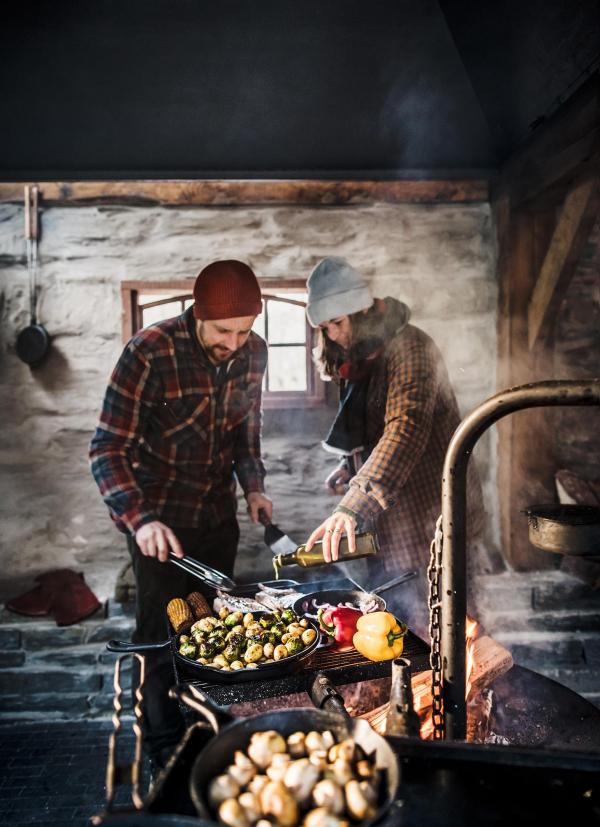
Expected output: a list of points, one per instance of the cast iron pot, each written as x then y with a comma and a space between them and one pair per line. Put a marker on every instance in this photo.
210, 674
33, 343
565, 529
232, 735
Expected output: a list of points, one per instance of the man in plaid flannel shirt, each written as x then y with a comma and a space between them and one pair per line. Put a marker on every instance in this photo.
397, 415
181, 420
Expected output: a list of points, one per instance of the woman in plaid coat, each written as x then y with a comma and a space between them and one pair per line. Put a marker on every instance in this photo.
397, 414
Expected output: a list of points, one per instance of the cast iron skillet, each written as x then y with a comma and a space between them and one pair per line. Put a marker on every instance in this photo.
210, 674
334, 597
232, 735
304, 605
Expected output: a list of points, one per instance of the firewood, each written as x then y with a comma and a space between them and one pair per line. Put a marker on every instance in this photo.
479, 711
490, 660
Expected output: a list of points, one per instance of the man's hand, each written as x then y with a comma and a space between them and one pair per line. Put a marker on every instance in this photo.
337, 480
256, 502
331, 530
155, 539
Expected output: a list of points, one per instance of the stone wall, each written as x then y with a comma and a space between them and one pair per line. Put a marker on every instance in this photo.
440, 259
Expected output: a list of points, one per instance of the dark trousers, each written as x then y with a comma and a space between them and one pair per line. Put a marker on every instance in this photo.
156, 584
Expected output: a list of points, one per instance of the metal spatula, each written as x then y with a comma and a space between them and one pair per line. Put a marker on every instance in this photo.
278, 542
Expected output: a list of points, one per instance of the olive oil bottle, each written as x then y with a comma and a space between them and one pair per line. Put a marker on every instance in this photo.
366, 546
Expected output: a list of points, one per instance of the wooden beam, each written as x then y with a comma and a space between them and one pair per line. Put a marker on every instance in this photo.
563, 148
526, 439
246, 193
570, 234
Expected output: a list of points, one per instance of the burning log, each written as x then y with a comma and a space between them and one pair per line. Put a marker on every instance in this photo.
488, 659
479, 711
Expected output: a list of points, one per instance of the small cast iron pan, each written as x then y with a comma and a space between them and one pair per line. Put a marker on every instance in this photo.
234, 734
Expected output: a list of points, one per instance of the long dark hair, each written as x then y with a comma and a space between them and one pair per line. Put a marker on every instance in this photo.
367, 332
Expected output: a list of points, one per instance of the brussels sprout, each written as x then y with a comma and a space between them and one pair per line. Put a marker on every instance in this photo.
278, 628
267, 620
270, 638
232, 652
253, 629
218, 641
289, 616
280, 652
233, 619
247, 619
308, 636
188, 650
207, 649
235, 639
253, 653
184, 638
294, 645
239, 629
199, 636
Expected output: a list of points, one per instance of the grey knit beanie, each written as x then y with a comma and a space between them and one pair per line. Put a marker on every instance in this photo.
335, 289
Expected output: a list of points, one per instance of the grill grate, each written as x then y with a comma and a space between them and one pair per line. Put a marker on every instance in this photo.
340, 667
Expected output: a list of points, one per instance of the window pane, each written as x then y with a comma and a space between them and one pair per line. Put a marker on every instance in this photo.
188, 303
160, 312
287, 369
287, 322
259, 325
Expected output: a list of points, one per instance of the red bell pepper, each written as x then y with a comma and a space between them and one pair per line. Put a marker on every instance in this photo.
339, 622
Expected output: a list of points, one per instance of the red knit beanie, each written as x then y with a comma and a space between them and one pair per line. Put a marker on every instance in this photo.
226, 290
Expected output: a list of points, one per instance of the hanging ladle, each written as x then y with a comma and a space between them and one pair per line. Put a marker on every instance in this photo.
33, 341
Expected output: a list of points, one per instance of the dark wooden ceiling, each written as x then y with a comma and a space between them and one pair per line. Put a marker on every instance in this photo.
282, 88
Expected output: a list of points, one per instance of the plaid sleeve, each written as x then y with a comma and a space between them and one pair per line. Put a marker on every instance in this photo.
125, 409
411, 396
248, 465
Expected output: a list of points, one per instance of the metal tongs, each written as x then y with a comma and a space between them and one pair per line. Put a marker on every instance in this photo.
212, 577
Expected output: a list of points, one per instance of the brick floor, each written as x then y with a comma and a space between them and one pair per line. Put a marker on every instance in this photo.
53, 773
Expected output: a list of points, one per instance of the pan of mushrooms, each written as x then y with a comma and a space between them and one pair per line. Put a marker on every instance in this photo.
233, 647
290, 768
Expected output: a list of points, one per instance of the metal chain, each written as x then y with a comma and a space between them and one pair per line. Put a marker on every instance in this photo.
434, 573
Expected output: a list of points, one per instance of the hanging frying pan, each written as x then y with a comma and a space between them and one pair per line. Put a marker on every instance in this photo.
33, 342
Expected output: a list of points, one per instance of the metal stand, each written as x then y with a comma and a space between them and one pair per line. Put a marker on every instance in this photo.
454, 509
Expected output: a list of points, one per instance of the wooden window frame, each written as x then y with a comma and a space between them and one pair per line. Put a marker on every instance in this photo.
313, 397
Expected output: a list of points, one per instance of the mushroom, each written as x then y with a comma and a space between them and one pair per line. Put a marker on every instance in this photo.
257, 784
361, 799
277, 801
340, 772
251, 806
366, 770
232, 814
329, 795
295, 745
242, 770
221, 788
346, 749
300, 779
323, 818
279, 765
264, 745
314, 741
319, 758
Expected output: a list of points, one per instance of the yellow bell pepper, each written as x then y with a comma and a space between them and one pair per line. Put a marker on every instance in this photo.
379, 636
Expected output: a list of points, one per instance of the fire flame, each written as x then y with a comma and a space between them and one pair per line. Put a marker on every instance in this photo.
422, 701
